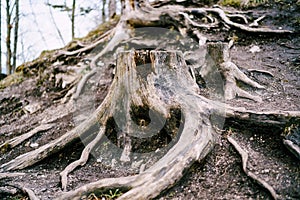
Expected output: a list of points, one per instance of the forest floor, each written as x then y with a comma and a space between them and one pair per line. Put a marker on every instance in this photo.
220, 175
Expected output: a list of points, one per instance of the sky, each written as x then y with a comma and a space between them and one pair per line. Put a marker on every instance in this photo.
39, 31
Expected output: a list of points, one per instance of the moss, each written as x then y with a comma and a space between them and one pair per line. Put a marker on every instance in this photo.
15, 78
243, 3
232, 3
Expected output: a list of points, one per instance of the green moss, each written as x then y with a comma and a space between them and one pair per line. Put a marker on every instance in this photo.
232, 3
243, 3
11, 79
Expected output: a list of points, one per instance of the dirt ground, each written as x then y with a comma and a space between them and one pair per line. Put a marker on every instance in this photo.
220, 175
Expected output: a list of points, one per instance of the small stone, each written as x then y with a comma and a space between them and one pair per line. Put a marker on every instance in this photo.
251, 139
254, 49
34, 145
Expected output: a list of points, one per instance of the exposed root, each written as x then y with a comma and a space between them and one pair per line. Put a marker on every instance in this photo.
245, 156
26, 190
269, 117
255, 22
225, 18
261, 71
292, 147
232, 73
121, 33
19, 139
83, 159
42, 152
10, 175
104, 37
82, 83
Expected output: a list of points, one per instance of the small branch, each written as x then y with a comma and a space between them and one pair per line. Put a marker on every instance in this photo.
83, 159
245, 157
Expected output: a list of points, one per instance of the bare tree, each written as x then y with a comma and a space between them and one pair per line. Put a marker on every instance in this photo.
103, 10
8, 38
16, 30
73, 18
112, 7
0, 37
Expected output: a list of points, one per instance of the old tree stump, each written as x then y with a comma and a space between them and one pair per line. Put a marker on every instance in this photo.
154, 110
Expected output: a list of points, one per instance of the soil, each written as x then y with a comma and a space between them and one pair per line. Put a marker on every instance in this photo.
220, 175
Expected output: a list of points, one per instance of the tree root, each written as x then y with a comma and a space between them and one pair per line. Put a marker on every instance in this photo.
245, 156
292, 147
82, 83
83, 159
104, 37
232, 73
42, 152
268, 117
26, 190
19, 139
10, 175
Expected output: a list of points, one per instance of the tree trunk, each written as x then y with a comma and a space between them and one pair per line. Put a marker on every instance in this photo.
103, 11
112, 8
16, 30
0, 37
8, 41
73, 18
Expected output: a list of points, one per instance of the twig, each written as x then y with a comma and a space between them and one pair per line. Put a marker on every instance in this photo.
245, 156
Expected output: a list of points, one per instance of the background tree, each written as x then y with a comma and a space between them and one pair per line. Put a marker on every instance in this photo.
16, 36
0, 37
12, 23
73, 18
